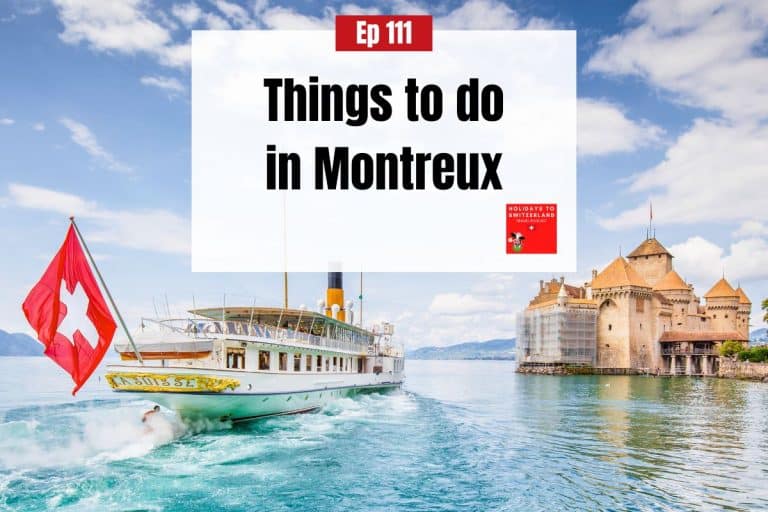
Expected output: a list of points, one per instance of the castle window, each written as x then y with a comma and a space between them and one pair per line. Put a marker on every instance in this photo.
641, 328
607, 346
726, 316
714, 316
610, 327
639, 305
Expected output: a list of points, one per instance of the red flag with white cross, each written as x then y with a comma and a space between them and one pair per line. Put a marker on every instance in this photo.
51, 309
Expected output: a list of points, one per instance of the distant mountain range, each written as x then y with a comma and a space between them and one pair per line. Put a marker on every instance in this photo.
19, 344
759, 336
491, 349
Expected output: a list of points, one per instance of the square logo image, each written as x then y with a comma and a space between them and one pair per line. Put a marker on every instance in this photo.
531, 228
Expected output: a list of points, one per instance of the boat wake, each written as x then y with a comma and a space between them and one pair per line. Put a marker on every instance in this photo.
89, 433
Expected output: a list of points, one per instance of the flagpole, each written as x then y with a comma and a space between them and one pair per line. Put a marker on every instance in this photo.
104, 285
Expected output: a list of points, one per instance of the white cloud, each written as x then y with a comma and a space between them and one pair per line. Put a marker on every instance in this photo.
703, 262
604, 128
84, 137
39, 127
234, 13
751, 228
188, 14
452, 317
149, 230
473, 14
6, 121
486, 15
120, 26
166, 83
462, 304
713, 172
705, 53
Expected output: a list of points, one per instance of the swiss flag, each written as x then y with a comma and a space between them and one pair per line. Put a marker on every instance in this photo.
46, 311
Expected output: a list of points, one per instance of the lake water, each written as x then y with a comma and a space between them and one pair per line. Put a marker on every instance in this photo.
463, 435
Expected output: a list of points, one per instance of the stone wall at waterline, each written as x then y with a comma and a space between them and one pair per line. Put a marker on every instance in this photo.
732, 369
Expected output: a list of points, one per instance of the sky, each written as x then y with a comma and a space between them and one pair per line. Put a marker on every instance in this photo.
95, 122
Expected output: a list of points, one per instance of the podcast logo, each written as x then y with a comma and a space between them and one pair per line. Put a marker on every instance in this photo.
531, 229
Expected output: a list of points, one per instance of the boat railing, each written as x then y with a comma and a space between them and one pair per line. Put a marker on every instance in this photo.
206, 329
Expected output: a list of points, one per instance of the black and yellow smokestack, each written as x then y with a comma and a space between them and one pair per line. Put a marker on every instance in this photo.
335, 295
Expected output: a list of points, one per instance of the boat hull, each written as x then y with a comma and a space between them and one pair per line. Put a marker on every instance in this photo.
242, 396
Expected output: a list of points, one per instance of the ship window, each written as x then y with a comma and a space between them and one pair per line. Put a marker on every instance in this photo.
236, 358
319, 363
263, 360
309, 362
297, 362
283, 358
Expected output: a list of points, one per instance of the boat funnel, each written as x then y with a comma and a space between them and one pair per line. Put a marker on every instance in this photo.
334, 296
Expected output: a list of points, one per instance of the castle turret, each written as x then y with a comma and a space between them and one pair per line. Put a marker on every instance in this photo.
651, 260
625, 320
679, 294
722, 306
743, 312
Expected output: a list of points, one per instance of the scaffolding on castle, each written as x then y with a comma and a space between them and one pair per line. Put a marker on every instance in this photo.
557, 336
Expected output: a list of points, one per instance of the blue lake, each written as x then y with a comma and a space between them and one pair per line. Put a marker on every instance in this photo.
462, 435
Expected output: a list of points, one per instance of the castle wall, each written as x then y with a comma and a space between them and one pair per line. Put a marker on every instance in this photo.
651, 268
723, 314
642, 343
613, 332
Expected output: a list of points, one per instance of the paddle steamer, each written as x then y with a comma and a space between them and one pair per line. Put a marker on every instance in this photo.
243, 363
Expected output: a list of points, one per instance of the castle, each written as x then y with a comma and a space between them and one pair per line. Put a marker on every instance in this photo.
637, 315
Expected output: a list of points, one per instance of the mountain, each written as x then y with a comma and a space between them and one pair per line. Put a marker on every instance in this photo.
491, 349
759, 336
19, 344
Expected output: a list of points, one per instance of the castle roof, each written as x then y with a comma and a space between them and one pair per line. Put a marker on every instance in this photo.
618, 273
743, 299
649, 247
671, 281
721, 289
668, 336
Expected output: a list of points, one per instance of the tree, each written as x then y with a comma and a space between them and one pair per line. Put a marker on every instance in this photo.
730, 348
765, 308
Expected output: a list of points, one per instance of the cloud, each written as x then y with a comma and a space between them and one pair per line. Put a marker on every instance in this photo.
83, 137
167, 83
712, 173
487, 15
702, 261
188, 14
39, 127
234, 13
751, 228
149, 230
705, 54
462, 304
452, 316
473, 14
120, 26
603, 128
6, 121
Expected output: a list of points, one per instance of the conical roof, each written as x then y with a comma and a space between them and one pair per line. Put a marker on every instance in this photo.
562, 294
618, 273
721, 289
671, 281
743, 299
649, 247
